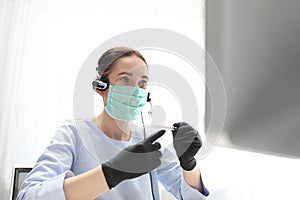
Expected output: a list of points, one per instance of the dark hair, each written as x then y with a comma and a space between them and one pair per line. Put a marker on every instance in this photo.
105, 63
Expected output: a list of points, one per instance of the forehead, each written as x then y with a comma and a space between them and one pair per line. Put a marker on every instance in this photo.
132, 64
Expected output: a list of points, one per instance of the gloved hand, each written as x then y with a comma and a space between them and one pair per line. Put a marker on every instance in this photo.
187, 142
133, 161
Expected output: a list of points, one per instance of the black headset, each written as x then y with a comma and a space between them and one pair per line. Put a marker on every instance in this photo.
101, 83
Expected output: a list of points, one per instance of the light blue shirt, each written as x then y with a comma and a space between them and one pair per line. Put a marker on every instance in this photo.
79, 146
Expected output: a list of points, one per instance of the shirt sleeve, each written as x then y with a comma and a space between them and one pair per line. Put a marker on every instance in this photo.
171, 177
45, 181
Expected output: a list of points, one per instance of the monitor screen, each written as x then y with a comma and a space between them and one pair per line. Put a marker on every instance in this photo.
255, 46
19, 174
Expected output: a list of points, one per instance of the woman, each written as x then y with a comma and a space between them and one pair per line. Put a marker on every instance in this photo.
110, 158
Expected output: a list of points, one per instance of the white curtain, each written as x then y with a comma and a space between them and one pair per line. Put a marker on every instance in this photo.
43, 44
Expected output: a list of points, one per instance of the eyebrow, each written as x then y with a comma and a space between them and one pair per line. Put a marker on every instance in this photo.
130, 74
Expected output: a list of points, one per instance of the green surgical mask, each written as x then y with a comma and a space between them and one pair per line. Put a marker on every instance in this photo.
125, 102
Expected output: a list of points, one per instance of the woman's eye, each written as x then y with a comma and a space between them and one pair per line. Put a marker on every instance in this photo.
143, 83
124, 79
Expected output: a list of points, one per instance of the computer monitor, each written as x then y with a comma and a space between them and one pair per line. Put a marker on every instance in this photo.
19, 174
255, 44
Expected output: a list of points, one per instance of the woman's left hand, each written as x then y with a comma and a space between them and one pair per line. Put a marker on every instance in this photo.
187, 142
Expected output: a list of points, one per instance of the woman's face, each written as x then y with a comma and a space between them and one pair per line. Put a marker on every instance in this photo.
129, 71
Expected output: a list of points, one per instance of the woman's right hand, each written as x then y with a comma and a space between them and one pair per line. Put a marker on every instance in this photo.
133, 161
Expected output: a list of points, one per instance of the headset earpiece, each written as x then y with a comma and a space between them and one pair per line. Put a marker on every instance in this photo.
148, 97
149, 100
101, 83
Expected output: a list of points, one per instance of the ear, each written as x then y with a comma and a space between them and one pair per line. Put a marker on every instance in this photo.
101, 93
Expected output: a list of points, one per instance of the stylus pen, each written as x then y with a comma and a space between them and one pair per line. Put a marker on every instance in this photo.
160, 126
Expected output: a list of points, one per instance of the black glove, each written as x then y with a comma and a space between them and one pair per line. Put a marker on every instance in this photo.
133, 161
187, 143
